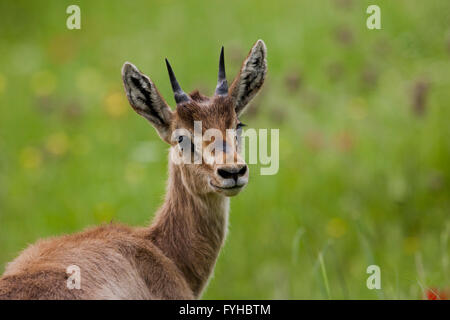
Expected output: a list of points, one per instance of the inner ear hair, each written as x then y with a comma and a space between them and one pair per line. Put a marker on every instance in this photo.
145, 99
251, 76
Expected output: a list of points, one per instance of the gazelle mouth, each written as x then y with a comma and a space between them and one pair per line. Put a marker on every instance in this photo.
227, 188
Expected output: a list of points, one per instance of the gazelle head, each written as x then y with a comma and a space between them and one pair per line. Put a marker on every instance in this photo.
211, 164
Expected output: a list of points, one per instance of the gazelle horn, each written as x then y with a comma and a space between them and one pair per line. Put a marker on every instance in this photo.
222, 85
178, 93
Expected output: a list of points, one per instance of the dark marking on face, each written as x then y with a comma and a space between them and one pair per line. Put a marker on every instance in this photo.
148, 99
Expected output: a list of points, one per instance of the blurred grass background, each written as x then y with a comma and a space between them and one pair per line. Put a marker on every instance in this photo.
364, 135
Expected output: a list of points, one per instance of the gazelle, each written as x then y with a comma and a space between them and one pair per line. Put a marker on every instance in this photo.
174, 257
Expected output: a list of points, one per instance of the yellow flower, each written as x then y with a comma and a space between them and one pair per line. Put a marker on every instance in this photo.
31, 158
336, 227
411, 245
115, 104
57, 144
43, 83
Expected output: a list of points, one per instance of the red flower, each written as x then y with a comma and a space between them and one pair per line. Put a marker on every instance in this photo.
436, 294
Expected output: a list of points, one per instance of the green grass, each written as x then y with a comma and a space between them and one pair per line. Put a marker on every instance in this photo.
364, 179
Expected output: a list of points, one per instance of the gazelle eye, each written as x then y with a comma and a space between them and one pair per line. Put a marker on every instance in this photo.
239, 130
184, 143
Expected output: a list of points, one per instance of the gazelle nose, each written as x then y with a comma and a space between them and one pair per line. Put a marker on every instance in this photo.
232, 172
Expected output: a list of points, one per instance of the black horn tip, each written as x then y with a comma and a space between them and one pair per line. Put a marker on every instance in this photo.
179, 94
169, 69
222, 85
222, 64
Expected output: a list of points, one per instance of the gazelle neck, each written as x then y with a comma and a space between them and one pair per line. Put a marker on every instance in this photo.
190, 229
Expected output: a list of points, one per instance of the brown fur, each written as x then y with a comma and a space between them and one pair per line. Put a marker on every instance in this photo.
174, 257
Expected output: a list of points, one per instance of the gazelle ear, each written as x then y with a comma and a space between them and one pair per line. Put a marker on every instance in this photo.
251, 77
146, 100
